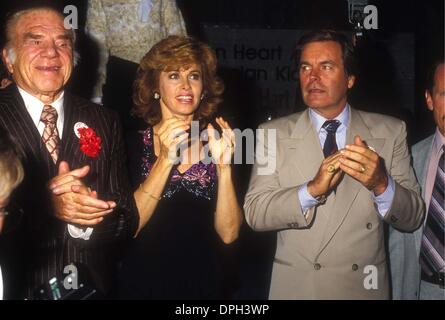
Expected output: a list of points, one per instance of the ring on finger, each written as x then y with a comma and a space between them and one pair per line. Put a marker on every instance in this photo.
362, 169
331, 169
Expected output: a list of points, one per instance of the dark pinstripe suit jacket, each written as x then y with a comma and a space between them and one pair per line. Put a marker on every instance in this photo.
46, 244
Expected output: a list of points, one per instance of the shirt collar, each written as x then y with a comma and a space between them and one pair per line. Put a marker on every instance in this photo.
318, 120
35, 107
439, 141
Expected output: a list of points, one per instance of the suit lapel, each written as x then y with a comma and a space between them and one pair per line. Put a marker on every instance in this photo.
302, 156
348, 189
422, 161
26, 130
70, 142
304, 147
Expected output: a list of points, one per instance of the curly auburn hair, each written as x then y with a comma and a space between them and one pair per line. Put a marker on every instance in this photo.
174, 53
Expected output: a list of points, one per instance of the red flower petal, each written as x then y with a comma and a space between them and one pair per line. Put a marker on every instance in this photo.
90, 143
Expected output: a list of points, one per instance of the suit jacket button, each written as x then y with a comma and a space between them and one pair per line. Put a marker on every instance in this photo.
393, 219
369, 226
354, 267
317, 266
292, 225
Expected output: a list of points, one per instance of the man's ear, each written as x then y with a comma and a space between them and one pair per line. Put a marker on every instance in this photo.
6, 59
351, 81
429, 100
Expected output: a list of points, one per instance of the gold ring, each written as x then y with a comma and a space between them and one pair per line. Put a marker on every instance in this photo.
331, 168
362, 169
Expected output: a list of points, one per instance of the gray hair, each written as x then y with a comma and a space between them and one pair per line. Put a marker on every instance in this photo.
11, 25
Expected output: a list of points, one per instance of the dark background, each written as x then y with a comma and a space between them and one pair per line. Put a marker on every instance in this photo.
376, 89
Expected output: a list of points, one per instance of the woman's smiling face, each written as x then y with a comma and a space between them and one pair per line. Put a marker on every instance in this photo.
180, 91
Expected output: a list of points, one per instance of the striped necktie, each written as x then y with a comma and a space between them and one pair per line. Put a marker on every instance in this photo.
432, 248
50, 135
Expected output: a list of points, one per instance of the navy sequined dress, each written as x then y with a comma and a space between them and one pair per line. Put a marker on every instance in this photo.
175, 256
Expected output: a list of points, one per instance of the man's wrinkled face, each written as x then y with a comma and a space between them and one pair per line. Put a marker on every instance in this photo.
435, 99
323, 80
43, 51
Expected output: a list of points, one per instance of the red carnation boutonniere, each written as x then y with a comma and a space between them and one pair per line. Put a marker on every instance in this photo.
90, 142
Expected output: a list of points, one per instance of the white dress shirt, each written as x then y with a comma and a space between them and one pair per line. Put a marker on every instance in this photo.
35, 107
383, 201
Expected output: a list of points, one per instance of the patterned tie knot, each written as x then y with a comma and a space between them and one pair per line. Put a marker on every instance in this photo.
331, 126
49, 115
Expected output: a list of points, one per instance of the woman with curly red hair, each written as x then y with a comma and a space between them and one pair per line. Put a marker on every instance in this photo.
187, 206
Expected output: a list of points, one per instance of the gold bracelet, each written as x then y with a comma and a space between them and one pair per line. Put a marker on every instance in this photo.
149, 194
154, 197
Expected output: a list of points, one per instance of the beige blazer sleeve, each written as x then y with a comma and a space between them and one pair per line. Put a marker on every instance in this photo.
407, 209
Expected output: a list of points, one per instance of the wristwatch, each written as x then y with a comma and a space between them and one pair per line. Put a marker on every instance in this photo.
321, 199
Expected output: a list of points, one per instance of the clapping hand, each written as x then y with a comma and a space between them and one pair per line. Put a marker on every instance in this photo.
73, 201
365, 165
222, 149
171, 134
327, 178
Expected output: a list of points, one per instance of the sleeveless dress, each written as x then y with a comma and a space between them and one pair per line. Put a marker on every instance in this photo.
175, 256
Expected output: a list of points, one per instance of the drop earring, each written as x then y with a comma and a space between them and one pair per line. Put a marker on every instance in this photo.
156, 96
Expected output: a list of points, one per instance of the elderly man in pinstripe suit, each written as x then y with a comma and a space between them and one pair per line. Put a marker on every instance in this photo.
76, 196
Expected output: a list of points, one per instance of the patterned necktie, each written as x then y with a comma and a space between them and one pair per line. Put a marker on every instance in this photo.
330, 145
432, 249
50, 135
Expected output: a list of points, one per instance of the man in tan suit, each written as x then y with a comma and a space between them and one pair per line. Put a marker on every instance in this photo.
339, 174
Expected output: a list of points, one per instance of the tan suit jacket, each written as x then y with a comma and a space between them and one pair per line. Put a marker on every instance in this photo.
325, 255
